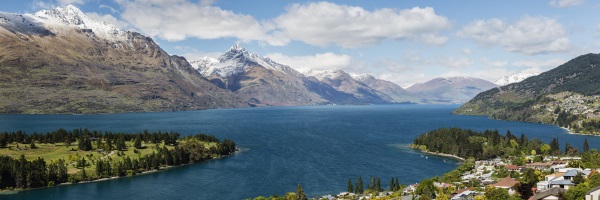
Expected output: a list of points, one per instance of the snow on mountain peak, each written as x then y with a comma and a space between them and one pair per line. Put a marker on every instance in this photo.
74, 17
362, 77
515, 78
237, 60
325, 74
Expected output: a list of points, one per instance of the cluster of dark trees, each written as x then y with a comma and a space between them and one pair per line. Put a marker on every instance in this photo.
374, 185
85, 135
488, 144
21, 173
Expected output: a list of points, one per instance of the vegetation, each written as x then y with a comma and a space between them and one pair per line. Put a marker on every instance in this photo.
480, 145
51, 161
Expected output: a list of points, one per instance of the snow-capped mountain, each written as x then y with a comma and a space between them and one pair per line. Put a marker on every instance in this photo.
237, 60
515, 78
64, 62
72, 16
325, 74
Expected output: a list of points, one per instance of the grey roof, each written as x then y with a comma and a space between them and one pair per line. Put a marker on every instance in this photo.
571, 173
544, 194
593, 190
562, 182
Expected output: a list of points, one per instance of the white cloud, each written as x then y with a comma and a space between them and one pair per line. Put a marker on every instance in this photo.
538, 66
529, 35
325, 23
176, 20
110, 19
71, 2
455, 62
565, 3
321, 61
493, 63
113, 10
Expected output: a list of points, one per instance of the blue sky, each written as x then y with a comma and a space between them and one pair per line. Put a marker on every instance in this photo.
402, 41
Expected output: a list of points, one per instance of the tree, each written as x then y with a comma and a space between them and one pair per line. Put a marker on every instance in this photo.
496, 193
426, 188
586, 146
32, 145
300, 193
350, 186
577, 179
577, 192
545, 148
594, 180
359, 186
120, 144
138, 142
524, 190
442, 196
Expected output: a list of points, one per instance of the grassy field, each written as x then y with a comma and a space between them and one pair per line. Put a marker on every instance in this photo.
53, 152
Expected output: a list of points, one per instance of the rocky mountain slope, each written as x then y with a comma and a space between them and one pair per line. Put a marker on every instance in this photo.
60, 61
394, 91
450, 90
567, 95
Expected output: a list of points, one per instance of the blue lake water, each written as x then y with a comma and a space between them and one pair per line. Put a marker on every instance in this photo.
319, 147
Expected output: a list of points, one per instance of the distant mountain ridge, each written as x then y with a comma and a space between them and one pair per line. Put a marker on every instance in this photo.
61, 61
450, 90
568, 96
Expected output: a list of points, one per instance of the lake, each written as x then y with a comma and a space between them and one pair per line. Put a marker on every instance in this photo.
319, 147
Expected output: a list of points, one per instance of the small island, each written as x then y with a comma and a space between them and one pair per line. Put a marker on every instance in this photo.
58, 157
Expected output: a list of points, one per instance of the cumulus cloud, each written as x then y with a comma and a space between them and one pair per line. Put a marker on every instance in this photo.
110, 19
321, 61
455, 62
71, 2
325, 23
529, 35
176, 20
493, 63
538, 66
320, 23
565, 3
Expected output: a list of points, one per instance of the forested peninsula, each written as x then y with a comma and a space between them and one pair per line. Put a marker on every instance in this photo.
61, 156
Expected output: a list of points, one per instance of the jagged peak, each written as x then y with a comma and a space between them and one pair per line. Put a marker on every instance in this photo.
72, 16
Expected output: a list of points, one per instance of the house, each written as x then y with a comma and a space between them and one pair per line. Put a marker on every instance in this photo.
539, 165
593, 194
411, 189
550, 194
513, 168
573, 172
465, 195
507, 183
565, 184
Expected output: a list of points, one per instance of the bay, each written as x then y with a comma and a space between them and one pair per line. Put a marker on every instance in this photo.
319, 147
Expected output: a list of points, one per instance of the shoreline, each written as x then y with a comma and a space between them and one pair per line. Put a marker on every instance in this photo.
441, 154
16, 191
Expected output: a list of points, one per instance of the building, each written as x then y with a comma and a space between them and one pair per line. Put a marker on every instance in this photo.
593, 194
550, 194
507, 183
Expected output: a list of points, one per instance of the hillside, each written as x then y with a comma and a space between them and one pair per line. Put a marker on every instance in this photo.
450, 90
60, 61
566, 95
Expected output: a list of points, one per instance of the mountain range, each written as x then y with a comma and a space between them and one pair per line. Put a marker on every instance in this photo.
61, 61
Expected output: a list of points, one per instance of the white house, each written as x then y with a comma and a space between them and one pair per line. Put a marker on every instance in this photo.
593, 194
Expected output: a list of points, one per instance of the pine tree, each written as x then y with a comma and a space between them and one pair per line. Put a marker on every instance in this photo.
392, 185
138, 142
120, 144
359, 185
378, 185
300, 193
350, 187
586, 146
32, 145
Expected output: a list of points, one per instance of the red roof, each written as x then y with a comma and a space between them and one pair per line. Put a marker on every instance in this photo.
507, 182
